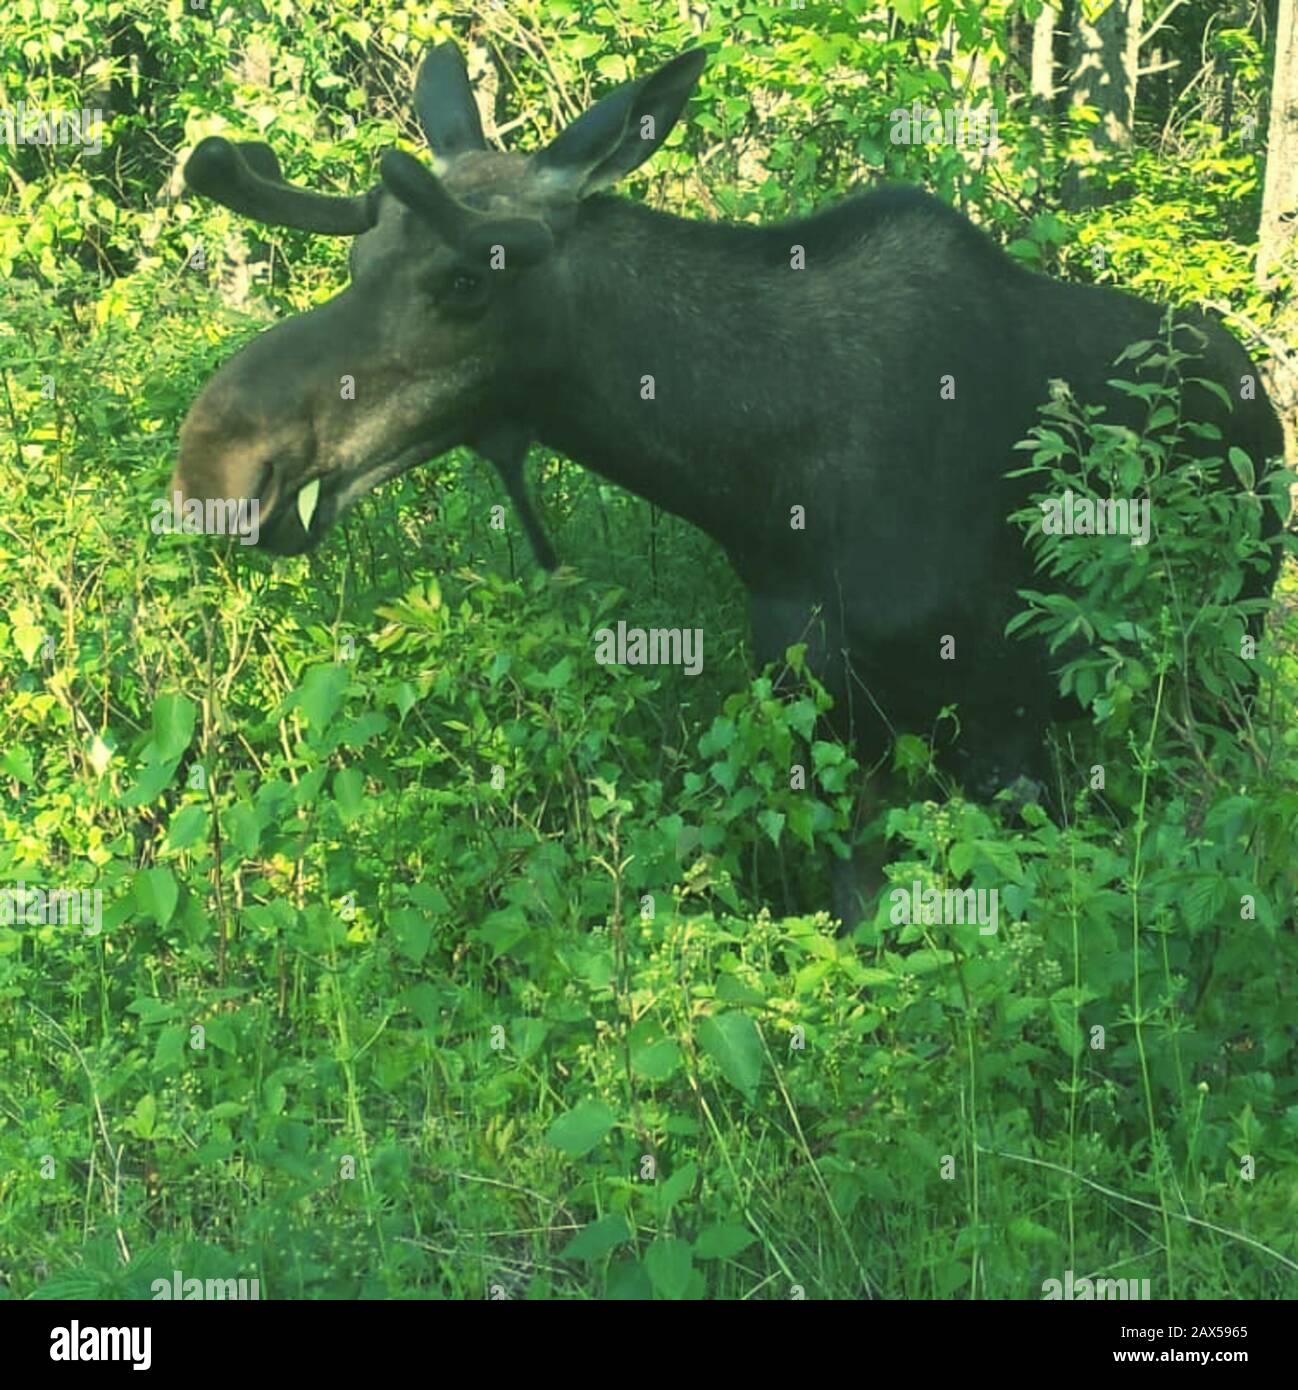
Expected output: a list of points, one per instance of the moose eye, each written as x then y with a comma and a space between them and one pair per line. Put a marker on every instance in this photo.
461, 291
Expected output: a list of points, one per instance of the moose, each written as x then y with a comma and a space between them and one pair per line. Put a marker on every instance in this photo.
835, 401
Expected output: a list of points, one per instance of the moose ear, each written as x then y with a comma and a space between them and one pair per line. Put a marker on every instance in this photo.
622, 130
444, 103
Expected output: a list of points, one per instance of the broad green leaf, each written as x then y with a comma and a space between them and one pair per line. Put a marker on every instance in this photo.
577, 1132
349, 793
188, 826
413, 931
146, 1113
657, 1061
732, 1041
173, 725
157, 893
677, 1186
669, 1263
17, 762
320, 695
243, 829
1063, 1018
1243, 466
169, 1052
593, 1242
527, 1035
722, 1241
154, 778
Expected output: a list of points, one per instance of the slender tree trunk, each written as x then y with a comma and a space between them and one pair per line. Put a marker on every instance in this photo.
1278, 230
1043, 59
1105, 63
1280, 194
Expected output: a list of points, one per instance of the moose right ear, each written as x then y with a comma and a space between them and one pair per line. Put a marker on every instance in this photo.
621, 131
445, 104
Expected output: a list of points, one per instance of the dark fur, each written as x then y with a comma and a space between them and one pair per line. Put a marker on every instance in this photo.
820, 388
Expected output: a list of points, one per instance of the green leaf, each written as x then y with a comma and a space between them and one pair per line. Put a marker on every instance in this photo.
722, 1241
584, 45
669, 1263
1030, 1232
243, 829
320, 695
151, 1010
678, 1186
359, 731
772, 822
528, 1034
188, 825
732, 1041
146, 1112
28, 641
170, 1050
349, 793
657, 1061
593, 1242
413, 931
502, 930
1063, 1019
425, 1002
154, 778
173, 725
17, 762
157, 893
577, 1132
627, 1280
1243, 466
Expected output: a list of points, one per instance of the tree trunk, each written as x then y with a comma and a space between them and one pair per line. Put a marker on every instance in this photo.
1280, 195
1277, 243
1043, 59
1105, 61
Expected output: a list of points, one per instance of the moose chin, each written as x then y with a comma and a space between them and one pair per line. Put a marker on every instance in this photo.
835, 401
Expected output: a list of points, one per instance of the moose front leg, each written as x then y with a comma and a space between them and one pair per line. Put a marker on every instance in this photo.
506, 446
856, 882
778, 623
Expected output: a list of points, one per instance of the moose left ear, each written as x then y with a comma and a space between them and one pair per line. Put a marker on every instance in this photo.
445, 105
622, 130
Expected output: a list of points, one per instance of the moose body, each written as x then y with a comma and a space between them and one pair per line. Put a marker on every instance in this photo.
779, 387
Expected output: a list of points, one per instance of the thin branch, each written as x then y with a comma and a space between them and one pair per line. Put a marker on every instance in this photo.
1160, 22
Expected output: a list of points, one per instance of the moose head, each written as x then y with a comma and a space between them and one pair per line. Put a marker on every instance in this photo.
458, 305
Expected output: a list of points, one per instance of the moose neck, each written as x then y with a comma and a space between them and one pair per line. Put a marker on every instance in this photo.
664, 378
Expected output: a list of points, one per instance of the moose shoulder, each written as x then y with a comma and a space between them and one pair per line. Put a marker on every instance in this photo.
835, 400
